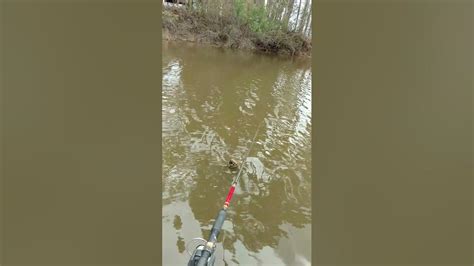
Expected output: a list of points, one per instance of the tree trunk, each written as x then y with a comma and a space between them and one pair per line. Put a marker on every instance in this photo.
281, 10
274, 10
307, 28
297, 15
289, 11
304, 16
308, 21
268, 8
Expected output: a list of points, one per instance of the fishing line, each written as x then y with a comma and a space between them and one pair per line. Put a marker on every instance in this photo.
237, 178
204, 255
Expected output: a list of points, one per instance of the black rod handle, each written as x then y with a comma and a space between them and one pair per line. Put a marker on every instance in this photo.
216, 228
203, 260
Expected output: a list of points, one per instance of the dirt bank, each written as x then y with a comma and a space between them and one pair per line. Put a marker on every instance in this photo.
185, 25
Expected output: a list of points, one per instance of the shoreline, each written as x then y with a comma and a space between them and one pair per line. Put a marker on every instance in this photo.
181, 25
195, 44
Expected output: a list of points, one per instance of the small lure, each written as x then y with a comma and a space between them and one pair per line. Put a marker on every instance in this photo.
233, 164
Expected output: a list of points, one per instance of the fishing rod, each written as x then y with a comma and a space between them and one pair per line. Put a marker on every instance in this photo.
203, 254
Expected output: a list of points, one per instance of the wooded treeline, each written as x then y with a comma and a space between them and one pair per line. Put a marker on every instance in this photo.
262, 15
269, 26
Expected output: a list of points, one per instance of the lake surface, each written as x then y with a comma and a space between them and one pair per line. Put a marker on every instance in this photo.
213, 101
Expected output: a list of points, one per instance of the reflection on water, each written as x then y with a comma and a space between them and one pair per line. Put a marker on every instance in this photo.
213, 101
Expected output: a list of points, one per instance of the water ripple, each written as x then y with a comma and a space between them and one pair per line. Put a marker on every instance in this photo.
211, 109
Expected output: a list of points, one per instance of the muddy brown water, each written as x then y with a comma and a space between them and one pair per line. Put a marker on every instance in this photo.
212, 103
